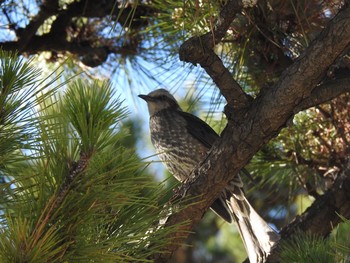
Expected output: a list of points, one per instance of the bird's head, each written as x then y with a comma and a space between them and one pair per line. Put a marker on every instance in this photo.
158, 100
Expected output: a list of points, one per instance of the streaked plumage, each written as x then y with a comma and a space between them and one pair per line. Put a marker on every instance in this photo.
182, 140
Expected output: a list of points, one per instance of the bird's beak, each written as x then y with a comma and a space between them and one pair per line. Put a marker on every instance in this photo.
146, 97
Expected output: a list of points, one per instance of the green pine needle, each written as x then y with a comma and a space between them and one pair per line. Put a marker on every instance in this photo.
305, 248
77, 194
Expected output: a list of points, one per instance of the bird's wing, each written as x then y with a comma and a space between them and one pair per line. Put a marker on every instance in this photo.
199, 129
202, 132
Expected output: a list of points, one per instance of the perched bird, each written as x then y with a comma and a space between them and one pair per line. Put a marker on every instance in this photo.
182, 140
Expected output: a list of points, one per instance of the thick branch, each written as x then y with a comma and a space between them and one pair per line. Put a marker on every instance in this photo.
47, 9
322, 216
298, 81
262, 121
90, 56
92, 49
328, 90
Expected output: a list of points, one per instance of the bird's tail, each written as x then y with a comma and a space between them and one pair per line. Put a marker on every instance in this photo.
258, 237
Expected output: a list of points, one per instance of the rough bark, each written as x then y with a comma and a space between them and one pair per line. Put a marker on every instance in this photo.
322, 216
252, 123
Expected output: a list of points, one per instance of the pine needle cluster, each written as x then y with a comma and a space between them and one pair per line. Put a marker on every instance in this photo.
70, 192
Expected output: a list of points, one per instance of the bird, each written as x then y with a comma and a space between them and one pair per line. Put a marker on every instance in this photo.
182, 141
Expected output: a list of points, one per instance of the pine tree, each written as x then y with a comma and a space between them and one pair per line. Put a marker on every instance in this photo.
253, 46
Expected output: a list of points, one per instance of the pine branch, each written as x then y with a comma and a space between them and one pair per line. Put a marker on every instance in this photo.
266, 116
77, 168
80, 195
47, 9
200, 50
322, 216
93, 49
328, 90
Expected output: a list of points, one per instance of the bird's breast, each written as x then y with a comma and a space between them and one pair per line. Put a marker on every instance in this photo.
175, 146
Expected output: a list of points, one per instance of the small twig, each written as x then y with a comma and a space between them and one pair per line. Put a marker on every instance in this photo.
77, 168
11, 25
